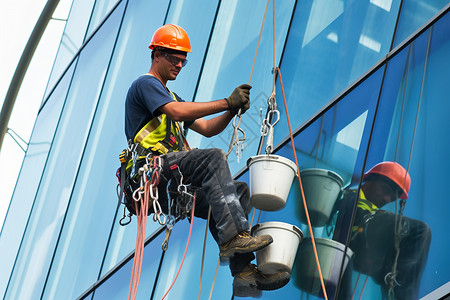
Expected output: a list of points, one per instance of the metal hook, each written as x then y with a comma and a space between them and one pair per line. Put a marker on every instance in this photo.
124, 223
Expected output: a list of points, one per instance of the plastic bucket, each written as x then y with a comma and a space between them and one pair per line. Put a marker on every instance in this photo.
280, 255
271, 179
331, 254
321, 188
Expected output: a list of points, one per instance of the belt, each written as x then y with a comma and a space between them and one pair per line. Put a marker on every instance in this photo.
141, 151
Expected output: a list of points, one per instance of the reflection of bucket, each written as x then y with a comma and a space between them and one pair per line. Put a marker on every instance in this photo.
321, 188
280, 255
271, 178
330, 255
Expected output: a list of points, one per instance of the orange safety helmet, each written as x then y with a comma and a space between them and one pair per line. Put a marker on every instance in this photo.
172, 37
394, 172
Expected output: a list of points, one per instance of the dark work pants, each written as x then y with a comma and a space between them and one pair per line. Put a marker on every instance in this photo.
208, 170
374, 252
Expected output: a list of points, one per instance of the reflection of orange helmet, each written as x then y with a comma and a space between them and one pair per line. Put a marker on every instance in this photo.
172, 37
394, 172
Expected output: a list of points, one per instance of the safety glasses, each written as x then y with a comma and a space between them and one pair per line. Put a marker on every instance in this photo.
173, 59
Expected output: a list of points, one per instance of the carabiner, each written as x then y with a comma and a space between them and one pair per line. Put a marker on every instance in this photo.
139, 191
153, 192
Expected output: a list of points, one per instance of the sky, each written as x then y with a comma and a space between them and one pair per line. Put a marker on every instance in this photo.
17, 20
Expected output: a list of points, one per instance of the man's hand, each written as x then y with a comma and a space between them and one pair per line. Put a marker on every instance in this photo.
239, 99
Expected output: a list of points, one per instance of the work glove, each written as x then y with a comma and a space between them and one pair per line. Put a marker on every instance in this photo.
239, 99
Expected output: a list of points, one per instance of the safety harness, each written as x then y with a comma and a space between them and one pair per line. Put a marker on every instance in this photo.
159, 136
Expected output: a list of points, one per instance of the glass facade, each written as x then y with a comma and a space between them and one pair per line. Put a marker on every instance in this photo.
364, 82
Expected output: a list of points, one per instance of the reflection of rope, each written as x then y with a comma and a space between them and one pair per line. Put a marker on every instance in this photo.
390, 278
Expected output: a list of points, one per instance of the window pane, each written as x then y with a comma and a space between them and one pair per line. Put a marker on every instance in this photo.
72, 39
187, 283
199, 30
117, 286
414, 14
101, 9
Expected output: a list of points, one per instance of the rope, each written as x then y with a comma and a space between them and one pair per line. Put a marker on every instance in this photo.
364, 287
356, 285
235, 140
214, 280
390, 278
301, 188
203, 253
259, 40
185, 251
141, 211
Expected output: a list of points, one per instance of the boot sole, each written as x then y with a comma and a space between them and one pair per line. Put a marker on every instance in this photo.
230, 253
272, 286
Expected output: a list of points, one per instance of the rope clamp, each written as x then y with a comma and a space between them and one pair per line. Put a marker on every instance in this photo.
165, 243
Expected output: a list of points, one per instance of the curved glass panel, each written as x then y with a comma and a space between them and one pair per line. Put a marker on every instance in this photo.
59, 175
30, 176
84, 213
229, 63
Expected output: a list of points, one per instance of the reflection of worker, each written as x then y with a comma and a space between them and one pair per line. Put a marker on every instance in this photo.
151, 109
389, 247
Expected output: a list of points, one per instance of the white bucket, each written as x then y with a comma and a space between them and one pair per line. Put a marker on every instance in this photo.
271, 179
321, 188
280, 255
331, 254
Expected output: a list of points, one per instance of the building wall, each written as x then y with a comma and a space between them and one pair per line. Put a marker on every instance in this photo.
361, 86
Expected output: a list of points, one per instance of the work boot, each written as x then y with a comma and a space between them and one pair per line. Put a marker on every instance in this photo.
243, 243
250, 282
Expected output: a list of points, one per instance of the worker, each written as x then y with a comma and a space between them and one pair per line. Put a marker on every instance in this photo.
390, 247
154, 118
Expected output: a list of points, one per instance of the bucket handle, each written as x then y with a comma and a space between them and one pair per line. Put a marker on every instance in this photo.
294, 228
335, 176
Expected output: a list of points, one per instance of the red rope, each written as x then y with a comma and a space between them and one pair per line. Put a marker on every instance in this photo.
141, 211
364, 286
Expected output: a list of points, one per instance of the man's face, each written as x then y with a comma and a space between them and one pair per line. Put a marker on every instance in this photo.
171, 64
382, 192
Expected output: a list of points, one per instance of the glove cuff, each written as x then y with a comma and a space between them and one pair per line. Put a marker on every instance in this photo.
228, 102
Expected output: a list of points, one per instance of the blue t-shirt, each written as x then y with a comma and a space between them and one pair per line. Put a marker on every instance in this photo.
145, 95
